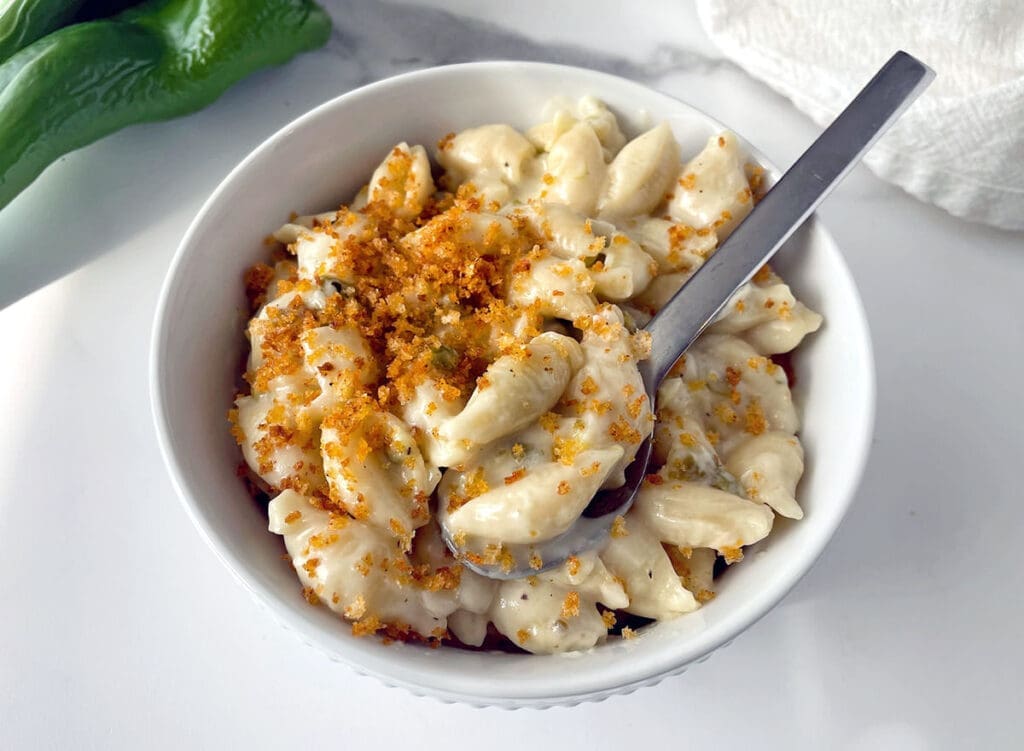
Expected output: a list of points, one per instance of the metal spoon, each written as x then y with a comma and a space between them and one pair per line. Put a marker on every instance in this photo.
779, 213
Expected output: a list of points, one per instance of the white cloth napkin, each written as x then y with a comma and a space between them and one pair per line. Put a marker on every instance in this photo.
961, 145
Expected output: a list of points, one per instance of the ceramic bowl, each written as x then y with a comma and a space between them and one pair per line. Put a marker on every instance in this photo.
319, 161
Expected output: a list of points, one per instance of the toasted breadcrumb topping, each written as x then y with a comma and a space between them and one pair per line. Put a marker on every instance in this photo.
571, 605
429, 291
619, 527
733, 554
609, 618
572, 565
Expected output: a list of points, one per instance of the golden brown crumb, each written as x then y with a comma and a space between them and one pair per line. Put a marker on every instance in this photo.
356, 609
565, 450
572, 565
564, 488
506, 560
367, 626
628, 633
725, 413
310, 566
622, 432
763, 275
476, 485
399, 530
755, 177
549, 421
365, 564
318, 542
522, 635
756, 423
571, 605
732, 554
619, 527
257, 280
236, 430
609, 618
443, 579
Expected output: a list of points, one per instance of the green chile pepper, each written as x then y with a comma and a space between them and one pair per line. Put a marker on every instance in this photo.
24, 21
154, 61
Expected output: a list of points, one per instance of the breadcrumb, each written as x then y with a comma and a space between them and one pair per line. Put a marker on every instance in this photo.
571, 605
619, 527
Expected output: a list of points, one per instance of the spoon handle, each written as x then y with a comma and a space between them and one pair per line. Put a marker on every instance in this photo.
783, 209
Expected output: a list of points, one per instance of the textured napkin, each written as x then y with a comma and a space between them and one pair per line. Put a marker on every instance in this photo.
961, 145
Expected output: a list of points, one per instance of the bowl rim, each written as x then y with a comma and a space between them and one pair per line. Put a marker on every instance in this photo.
665, 662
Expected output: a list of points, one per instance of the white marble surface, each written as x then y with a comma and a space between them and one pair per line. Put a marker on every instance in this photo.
121, 630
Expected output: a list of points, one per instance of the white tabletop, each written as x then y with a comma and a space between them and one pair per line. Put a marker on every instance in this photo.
120, 629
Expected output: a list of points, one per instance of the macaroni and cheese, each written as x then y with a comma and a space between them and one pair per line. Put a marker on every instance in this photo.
467, 350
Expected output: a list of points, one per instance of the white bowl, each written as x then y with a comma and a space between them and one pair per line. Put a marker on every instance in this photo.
317, 162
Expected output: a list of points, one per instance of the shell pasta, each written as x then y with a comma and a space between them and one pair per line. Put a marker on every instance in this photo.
462, 344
